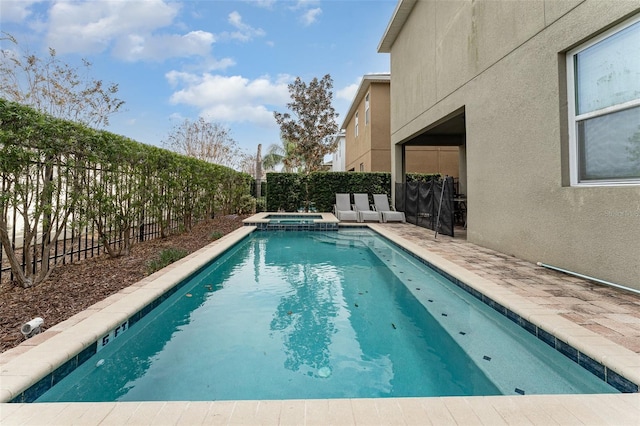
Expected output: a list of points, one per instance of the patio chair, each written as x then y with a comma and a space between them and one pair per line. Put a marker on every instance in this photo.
381, 203
342, 208
364, 208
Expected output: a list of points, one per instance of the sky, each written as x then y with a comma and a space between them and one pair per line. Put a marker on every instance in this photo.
226, 61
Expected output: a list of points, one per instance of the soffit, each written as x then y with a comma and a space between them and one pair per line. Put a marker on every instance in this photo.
400, 15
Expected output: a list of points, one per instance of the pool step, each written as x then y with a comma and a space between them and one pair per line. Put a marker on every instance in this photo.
339, 240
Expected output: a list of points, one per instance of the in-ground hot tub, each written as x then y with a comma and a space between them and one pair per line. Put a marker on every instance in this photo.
272, 221
293, 218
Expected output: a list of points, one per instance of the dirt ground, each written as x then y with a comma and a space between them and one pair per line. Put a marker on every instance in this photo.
74, 287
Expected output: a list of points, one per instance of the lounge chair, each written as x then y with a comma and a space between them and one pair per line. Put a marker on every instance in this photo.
364, 208
381, 203
342, 208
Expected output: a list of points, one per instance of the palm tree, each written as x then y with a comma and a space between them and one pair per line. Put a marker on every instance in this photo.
282, 154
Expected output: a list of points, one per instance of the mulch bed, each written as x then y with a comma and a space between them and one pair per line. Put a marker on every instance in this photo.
74, 287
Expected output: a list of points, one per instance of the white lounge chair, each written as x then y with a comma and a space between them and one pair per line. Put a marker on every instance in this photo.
381, 203
342, 208
364, 208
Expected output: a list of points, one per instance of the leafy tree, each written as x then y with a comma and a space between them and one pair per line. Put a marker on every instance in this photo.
62, 91
61, 180
204, 140
312, 122
116, 192
54, 87
40, 169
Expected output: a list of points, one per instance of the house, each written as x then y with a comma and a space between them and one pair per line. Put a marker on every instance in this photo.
367, 135
543, 98
337, 158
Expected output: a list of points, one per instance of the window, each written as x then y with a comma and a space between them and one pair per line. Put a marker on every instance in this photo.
362, 167
604, 108
357, 124
366, 110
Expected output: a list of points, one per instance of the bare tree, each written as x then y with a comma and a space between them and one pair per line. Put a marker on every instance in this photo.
312, 121
206, 141
54, 87
247, 164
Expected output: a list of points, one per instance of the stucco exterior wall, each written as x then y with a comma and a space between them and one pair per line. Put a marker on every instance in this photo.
504, 62
372, 148
432, 159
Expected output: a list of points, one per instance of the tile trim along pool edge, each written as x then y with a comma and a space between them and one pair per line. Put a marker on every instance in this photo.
66, 345
610, 362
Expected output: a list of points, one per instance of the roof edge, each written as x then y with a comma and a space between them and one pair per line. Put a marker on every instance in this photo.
365, 82
399, 17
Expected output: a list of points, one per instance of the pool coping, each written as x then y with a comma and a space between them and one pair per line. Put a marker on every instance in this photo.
40, 356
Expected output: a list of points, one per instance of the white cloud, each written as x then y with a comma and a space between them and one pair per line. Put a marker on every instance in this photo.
245, 32
311, 16
349, 92
305, 4
176, 77
16, 10
310, 11
265, 4
135, 47
231, 98
132, 31
90, 27
176, 117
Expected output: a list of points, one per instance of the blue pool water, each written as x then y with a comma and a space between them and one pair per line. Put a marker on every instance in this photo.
289, 315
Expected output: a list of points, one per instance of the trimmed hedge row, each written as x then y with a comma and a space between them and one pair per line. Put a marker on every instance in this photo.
291, 192
59, 178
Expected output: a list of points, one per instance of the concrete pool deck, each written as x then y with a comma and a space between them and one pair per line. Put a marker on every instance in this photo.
602, 321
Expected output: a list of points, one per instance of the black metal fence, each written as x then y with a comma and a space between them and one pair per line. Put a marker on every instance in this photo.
428, 204
76, 235
68, 192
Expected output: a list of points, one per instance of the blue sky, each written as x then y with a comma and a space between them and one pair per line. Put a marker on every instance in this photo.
228, 61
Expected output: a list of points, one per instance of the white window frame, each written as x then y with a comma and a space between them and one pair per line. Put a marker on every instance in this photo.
367, 111
574, 159
356, 125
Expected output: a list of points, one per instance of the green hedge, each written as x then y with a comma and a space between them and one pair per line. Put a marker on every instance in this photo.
292, 191
61, 176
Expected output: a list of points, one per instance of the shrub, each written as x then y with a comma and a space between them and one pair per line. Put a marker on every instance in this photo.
167, 257
215, 235
246, 204
261, 204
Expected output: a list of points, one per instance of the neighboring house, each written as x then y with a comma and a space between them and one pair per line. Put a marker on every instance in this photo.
337, 161
367, 133
544, 99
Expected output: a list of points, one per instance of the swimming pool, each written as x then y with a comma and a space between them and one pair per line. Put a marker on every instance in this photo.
320, 315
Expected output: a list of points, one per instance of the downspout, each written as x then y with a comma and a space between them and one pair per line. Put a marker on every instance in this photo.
607, 283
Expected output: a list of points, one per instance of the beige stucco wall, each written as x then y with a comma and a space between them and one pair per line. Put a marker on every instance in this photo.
371, 147
432, 159
503, 62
